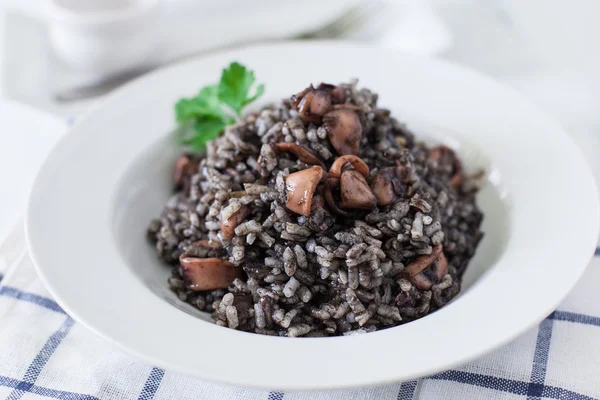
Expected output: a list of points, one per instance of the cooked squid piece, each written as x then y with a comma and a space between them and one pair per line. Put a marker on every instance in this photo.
352, 185
355, 191
356, 162
344, 130
312, 103
208, 273
185, 167
436, 260
229, 224
302, 153
300, 187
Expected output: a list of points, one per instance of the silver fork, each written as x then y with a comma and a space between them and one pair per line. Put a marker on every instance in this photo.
349, 23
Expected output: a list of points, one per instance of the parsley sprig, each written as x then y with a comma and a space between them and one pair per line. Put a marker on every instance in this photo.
216, 106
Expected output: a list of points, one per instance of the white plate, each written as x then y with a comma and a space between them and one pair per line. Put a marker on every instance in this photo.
95, 194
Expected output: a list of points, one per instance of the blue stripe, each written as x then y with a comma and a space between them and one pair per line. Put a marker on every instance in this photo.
575, 317
43, 391
507, 385
553, 392
31, 298
597, 252
152, 384
485, 381
489, 382
407, 390
1, 276
60, 394
40, 360
44, 355
540, 359
275, 396
9, 382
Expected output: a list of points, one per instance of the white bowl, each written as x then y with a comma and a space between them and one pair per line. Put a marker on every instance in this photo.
95, 194
104, 37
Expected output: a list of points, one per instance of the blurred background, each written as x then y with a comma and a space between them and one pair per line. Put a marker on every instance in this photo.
59, 57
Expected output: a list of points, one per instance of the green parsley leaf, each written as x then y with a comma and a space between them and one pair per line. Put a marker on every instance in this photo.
205, 104
203, 117
204, 130
234, 88
260, 89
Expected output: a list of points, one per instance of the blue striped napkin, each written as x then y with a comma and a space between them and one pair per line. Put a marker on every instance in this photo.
44, 353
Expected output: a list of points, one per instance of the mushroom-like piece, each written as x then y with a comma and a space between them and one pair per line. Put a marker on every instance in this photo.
355, 191
301, 187
344, 130
383, 190
337, 92
184, 167
312, 103
297, 98
414, 270
422, 262
228, 225
332, 184
320, 103
421, 281
207, 273
457, 178
301, 152
440, 266
388, 183
336, 168
351, 184
383, 187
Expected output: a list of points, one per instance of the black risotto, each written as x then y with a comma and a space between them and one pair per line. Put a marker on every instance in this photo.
318, 216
